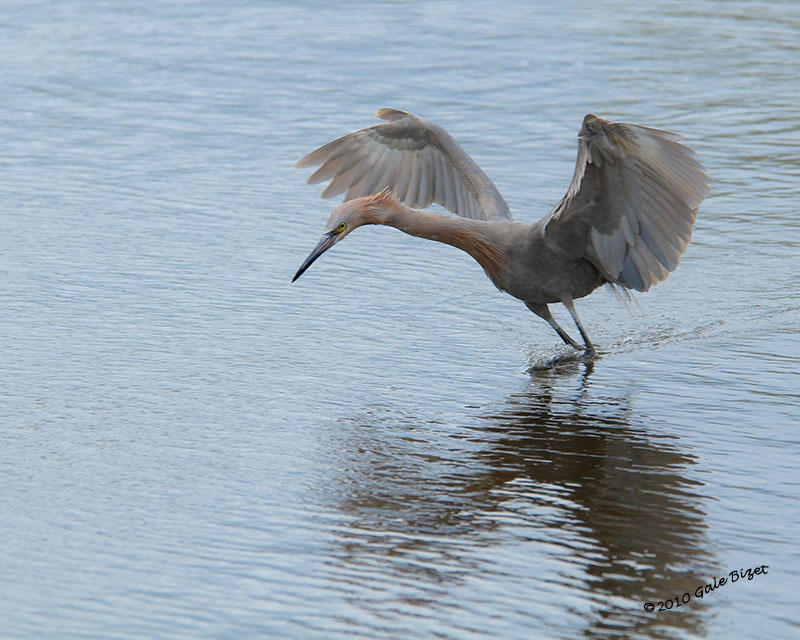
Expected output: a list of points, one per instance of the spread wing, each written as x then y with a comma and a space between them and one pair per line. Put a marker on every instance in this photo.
419, 161
631, 207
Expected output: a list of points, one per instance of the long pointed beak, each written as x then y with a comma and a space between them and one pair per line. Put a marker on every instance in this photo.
327, 241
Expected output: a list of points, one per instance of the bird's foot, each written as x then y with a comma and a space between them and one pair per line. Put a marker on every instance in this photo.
578, 355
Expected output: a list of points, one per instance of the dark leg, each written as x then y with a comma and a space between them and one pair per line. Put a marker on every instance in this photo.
543, 312
571, 308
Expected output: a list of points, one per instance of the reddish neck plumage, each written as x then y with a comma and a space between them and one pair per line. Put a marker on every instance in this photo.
384, 208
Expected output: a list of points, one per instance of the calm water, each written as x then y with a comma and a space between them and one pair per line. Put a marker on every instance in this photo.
194, 448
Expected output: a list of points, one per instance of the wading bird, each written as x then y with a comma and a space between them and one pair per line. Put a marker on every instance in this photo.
625, 220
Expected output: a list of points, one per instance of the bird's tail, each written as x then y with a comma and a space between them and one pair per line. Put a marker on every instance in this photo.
623, 295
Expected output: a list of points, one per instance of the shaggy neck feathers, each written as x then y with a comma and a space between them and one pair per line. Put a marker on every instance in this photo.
384, 208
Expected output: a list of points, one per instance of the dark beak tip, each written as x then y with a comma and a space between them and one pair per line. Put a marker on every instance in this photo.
324, 244
300, 272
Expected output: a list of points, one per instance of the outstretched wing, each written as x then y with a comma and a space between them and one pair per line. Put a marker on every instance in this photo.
419, 161
631, 207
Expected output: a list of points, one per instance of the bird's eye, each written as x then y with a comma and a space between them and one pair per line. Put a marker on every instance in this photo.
341, 227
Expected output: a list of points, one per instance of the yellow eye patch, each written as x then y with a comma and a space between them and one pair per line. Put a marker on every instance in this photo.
341, 227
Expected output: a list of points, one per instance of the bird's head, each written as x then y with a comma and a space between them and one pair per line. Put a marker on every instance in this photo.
344, 218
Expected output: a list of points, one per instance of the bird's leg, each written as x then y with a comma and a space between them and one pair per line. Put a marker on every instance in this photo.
543, 312
570, 305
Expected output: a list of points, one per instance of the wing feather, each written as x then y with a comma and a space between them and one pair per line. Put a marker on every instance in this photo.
412, 191
378, 177
445, 181
425, 196
339, 163
402, 176
632, 203
363, 171
418, 160
340, 183
461, 200
439, 186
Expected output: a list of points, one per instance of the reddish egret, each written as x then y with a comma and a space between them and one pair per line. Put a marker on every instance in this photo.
625, 220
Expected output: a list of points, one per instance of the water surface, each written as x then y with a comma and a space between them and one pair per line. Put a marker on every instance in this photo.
193, 447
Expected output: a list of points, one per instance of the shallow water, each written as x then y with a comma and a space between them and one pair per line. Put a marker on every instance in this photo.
193, 447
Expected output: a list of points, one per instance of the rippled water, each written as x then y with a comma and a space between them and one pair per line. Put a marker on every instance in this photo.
192, 447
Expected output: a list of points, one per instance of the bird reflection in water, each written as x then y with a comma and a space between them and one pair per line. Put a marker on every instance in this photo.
558, 496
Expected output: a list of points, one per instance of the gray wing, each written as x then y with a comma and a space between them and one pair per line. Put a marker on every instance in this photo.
631, 207
419, 161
